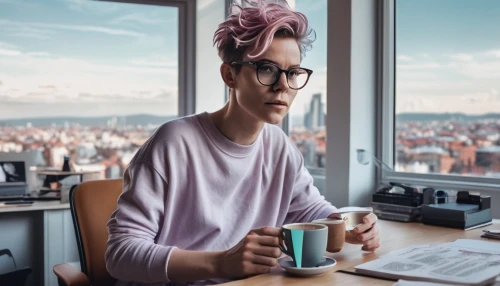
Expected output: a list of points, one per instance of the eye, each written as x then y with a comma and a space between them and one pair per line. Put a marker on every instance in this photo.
267, 69
297, 72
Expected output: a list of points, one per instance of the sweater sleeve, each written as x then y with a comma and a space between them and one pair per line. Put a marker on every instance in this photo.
132, 254
307, 203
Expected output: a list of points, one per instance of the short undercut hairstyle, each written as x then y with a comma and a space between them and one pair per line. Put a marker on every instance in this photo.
252, 28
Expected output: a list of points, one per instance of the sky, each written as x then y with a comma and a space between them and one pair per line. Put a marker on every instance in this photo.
79, 57
87, 58
448, 56
315, 59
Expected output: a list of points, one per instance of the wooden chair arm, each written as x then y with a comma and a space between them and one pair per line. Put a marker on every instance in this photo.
70, 275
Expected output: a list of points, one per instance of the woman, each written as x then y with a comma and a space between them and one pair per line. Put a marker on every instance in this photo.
205, 196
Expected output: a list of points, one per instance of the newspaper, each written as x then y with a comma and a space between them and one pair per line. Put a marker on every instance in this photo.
463, 262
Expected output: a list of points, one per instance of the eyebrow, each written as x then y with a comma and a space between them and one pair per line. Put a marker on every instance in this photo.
268, 60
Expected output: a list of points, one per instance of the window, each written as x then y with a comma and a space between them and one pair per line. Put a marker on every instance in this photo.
87, 79
447, 87
307, 116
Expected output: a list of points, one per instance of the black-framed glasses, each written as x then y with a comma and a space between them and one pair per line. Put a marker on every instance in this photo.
268, 74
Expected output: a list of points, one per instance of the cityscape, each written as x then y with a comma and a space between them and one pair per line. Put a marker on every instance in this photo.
105, 147
442, 143
424, 143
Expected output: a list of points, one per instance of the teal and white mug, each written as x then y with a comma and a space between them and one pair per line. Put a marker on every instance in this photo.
305, 243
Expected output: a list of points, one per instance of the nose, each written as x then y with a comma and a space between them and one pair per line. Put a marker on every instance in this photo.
282, 83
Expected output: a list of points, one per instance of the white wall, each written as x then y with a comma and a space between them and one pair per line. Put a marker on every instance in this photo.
209, 85
351, 94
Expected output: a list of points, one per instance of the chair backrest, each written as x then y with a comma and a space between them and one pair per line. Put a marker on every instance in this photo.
92, 204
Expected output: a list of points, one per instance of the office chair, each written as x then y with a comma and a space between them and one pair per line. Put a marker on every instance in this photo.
16, 277
91, 203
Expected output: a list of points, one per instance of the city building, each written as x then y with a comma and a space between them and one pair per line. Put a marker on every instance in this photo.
315, 117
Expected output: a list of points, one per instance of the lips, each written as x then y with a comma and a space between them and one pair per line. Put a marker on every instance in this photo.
277, 102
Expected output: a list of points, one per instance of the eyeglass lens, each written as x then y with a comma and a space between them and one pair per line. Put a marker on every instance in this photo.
268, 75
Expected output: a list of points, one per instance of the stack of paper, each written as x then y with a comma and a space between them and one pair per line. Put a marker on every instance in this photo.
463, 262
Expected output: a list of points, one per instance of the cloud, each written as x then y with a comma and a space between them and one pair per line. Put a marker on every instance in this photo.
48, 86
140, 18
9, 53
494, 53
22, 31
31, 36
462, 57
419, 66
1, 83
7, 45
93, 7
478, 70
404, 58
462, 82
56, 79
38, 54
154, 62
470, 103
78, 28
426, 56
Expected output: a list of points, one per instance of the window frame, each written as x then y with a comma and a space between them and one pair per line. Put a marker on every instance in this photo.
386, 117
186, 49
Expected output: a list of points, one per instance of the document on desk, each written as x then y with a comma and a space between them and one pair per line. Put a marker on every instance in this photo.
463, 262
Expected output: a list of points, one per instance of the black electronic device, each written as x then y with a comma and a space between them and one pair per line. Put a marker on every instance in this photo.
19, 202
12, 178
468, 211
399, 194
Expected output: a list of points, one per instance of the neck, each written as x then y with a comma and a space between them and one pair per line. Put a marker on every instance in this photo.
236, 124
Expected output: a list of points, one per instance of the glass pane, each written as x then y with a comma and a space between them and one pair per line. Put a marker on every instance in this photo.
448, 87
90, 80
307, 117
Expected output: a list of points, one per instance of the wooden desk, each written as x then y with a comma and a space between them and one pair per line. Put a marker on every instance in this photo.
393, 235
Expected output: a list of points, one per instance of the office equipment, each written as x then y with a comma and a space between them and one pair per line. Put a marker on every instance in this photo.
399, 194
29, 197
398, 202
468, 211
19, 202
12, 178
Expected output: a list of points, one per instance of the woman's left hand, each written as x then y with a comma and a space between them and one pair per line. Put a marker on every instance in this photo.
366, 233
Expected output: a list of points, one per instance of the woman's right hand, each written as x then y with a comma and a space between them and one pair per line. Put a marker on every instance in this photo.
255, 254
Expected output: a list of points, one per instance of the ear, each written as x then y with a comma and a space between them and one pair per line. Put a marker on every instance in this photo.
227, 74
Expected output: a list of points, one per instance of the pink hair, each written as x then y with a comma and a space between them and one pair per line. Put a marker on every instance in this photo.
251, 29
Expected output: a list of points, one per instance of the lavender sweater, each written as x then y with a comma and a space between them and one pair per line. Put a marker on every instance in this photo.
192, 188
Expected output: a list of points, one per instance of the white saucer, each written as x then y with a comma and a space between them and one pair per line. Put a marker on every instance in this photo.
322, 267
